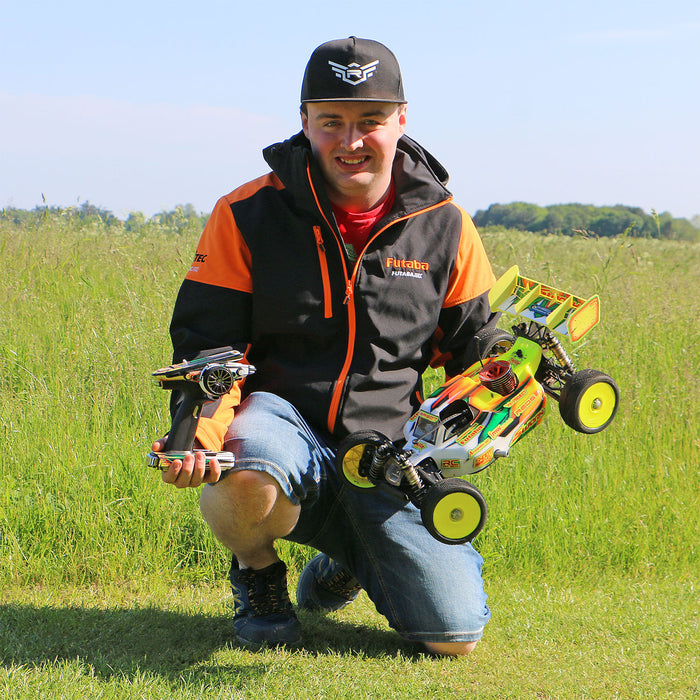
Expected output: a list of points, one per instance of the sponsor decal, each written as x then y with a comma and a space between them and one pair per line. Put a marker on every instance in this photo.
407, 264
198, 258
540, 310
354, 74
406, 268
523, 402
403, 273
498, 430
484, 459
450, 464
547, 293
526, 427
464, 438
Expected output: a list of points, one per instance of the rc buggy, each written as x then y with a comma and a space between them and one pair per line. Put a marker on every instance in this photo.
477, 416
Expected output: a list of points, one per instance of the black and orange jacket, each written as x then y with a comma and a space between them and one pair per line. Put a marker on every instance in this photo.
345, 343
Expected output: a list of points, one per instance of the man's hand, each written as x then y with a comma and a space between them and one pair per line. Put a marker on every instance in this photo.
189, 472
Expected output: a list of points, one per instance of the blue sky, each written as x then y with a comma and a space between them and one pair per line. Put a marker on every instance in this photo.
141, 106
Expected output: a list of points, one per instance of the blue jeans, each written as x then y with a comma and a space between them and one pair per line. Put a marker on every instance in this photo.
428, 591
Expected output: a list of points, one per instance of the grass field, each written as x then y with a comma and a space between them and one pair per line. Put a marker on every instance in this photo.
114, 588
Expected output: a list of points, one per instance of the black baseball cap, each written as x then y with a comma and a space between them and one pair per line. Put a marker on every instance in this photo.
352, 70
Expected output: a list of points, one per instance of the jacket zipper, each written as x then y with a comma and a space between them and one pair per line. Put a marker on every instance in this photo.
325, 277
340, 380
349, 300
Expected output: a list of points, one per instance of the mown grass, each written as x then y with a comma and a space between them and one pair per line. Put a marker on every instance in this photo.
618, 639
114, 587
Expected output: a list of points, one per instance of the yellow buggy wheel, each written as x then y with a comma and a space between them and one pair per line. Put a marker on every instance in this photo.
453, 511
589, 401
355, 454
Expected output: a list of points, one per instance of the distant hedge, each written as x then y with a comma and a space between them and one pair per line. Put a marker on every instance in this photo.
183, 219
566, 219
573, 219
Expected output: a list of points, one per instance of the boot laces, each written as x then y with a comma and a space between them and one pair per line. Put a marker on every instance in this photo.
267, 592
342, 583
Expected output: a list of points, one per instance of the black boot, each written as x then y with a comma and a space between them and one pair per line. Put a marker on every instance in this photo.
263, 612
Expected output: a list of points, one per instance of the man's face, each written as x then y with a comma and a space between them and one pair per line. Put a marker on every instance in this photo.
354, 144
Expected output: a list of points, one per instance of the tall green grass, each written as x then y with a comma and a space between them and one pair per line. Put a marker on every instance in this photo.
85, 312
626, 499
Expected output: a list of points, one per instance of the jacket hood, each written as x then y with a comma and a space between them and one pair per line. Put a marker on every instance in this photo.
415, 169
419, 155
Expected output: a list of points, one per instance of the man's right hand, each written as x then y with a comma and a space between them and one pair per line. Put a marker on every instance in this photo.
189, 472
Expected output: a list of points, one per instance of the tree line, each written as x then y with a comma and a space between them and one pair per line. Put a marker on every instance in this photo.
562, 219
586, 219
182, 219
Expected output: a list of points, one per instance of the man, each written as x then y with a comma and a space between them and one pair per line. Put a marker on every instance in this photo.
342, 274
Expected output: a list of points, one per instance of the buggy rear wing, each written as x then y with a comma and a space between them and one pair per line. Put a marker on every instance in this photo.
561, 312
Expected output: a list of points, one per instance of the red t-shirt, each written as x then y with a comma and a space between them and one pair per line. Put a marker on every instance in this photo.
355, 227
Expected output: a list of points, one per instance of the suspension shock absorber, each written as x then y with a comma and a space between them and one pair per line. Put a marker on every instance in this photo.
378, 463
415, 482
552, 343
383, 466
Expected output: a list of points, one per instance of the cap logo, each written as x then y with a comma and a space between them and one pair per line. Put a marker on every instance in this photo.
354, 73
